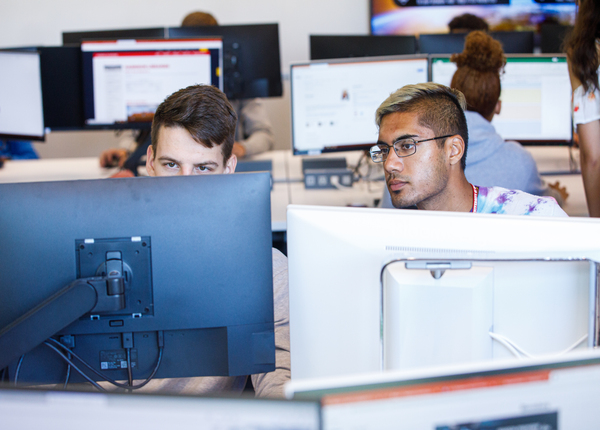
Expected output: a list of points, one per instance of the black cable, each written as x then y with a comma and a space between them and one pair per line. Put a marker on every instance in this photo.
112, 381
68, 372
64, 357
18, 368
129, 371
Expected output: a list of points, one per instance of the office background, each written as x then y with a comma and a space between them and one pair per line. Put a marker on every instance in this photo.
39, 22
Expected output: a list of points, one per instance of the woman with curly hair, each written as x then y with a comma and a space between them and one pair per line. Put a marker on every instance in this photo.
583, 55
491, 161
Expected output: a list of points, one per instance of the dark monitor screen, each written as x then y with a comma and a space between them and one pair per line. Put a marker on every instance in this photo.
76, 37
125, 80
334, 101
552, 37
325, 47
62, 87
441, 43
536, 97
21, 108
194, 253
515, 42
251, 59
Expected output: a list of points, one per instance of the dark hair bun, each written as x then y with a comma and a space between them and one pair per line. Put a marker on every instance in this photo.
481, 53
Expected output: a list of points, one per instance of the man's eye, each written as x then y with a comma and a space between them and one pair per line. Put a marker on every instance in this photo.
406, 146
203, 168
171, 165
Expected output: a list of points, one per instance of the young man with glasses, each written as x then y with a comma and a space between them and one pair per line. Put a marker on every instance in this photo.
423, 144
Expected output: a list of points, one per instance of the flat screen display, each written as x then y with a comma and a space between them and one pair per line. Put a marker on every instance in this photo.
536, 98
124, 81
21, 109
334, 102
426, 16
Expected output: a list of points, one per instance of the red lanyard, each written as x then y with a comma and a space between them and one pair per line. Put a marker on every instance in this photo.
475, 193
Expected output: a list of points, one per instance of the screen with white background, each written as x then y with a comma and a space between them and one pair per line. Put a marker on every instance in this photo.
536, 97
21, 110
126, 80
334, 103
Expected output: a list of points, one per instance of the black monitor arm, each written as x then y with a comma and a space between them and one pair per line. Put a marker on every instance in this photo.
96, 294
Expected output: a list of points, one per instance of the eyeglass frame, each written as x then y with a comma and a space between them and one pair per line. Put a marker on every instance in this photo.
401, 140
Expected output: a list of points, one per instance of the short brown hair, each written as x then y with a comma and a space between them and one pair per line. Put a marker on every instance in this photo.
478, 72
440, 109
467, 22
204, 111
198, 19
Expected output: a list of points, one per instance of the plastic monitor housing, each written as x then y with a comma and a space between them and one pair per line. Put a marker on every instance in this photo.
334, 101
76, 37
251, 58
536, 97
340, 297
333, 46
21, 103
124, 81
159, 267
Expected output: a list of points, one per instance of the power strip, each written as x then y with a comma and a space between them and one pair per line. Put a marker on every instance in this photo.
328, 178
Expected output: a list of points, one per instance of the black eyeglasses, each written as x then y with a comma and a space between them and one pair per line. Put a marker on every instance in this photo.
402, 147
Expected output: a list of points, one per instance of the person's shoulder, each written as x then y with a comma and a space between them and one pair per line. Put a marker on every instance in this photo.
515, 149
515, 202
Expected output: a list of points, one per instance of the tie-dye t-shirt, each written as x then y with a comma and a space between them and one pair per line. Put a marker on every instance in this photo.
497, 200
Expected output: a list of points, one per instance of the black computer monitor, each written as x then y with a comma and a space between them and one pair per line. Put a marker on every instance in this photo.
515, 42
334, 101
251, 59
325, 47
552, 37
125, 80
184, 262
442, 43
76, 37
21, 108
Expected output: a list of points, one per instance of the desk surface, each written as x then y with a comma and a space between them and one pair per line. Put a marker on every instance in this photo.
553, 163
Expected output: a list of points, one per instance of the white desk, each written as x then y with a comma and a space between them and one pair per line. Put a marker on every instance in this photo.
53, 169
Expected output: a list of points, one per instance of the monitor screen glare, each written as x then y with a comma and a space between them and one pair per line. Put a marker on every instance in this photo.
334, 103
126, 80
536, 98
21, 112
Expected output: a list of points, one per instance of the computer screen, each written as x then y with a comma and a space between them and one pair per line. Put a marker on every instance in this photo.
329, 46
536, 98
341, 296
251, 59
550, 393
427, 16
21, 104
71, 410
334, 102
171, 262
124, 81
76, 37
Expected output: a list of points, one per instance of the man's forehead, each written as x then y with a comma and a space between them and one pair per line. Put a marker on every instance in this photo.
400, 123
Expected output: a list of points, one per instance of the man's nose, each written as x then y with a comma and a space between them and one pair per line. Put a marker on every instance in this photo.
393, 162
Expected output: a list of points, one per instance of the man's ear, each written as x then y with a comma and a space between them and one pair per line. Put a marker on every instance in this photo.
150, 161
455, 147
498, 107
231, 164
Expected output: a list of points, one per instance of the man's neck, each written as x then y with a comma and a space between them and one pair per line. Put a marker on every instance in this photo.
456, 197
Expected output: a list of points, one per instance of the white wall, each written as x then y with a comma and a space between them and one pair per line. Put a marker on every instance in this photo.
41, 22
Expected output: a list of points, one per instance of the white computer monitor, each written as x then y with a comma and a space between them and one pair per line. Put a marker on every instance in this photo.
334, 101
337, 257
124, 81
536, 97
21, 110
548, 393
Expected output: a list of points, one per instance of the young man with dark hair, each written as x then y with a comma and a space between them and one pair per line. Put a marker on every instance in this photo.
423, 144
193, 134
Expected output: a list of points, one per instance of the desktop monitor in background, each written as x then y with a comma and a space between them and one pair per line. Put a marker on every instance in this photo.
149, 264
441, 43
515, 42
76, 37
550, 393
469, 313
124, 81
21, 104
62, 87
326, 47
334, 102
251, 59
70, 410
536, 98
553, 36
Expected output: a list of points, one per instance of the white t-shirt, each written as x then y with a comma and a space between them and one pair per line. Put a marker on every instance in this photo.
497, 200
